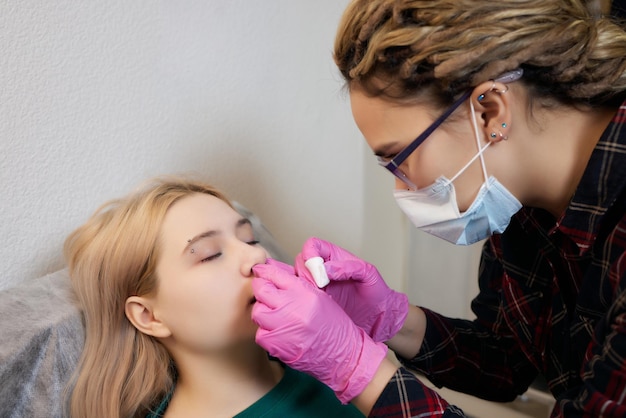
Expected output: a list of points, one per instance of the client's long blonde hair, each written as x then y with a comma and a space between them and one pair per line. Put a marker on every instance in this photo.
122, 372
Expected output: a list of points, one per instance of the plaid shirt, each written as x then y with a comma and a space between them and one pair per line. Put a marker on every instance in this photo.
552, 301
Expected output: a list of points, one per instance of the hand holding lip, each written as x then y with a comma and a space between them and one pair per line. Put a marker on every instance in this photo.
302, 326
280, 297
271, 279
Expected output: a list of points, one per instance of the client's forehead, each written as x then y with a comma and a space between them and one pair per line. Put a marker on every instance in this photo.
193, 215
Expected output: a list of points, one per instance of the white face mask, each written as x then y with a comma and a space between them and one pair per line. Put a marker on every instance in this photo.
434, 209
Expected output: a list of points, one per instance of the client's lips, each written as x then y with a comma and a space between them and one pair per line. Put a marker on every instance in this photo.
252, 300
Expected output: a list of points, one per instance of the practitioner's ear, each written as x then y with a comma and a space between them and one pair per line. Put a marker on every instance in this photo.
139, 311
491, 102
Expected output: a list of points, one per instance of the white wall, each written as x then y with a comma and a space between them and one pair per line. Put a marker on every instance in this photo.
97, 96
443, 276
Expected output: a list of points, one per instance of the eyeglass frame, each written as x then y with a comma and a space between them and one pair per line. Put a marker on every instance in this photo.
394, 165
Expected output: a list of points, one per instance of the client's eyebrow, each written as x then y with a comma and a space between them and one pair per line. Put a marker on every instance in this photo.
207, 234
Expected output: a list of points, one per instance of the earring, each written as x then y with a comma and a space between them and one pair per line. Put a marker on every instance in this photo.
504, 137
493, 135
506, 88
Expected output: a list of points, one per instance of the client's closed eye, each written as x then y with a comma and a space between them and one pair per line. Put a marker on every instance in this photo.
211, 257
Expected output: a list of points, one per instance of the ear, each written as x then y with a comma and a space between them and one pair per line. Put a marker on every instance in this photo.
140, 313
491, 102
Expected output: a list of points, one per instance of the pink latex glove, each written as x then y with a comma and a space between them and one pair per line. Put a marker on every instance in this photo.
303, 327
358, 288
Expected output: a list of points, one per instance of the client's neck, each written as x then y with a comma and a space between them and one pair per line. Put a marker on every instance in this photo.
223, 383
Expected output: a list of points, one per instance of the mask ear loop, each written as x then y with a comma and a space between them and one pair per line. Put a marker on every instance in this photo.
477, 136
480, 150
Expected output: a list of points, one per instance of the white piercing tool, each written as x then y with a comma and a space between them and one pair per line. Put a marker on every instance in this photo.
316, 267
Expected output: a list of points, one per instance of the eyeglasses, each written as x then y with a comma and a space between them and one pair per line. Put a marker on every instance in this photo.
394, 165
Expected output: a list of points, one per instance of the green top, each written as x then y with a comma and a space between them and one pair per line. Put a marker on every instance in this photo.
297, 395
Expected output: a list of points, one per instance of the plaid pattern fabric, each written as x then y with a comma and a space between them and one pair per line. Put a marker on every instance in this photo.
405, 396
552, 301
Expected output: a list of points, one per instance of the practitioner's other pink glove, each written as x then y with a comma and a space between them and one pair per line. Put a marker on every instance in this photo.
358, 288
303, 327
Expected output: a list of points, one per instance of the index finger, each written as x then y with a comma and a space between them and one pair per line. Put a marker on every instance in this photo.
276, 274
315, 247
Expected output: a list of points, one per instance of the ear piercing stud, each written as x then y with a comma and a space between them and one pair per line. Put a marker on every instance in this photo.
504, 126
493, 88
494, 135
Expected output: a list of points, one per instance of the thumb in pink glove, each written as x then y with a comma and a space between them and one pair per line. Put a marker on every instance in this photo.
304, 328
358, 288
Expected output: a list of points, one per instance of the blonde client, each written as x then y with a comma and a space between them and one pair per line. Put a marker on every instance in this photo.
164, 279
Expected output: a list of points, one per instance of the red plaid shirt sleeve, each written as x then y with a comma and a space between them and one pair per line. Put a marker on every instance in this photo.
405, 396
